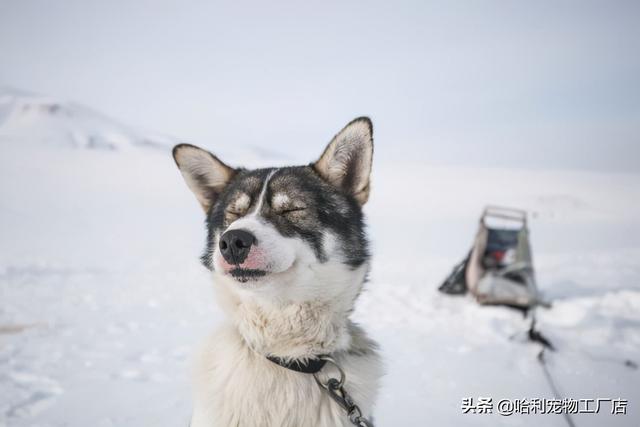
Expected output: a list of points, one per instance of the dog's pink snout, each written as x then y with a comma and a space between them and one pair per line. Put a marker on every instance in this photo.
255, 260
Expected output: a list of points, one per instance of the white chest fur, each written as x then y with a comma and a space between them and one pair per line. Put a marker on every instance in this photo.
235, 386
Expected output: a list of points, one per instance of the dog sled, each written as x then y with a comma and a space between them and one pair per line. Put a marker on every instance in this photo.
499, 268
499, 271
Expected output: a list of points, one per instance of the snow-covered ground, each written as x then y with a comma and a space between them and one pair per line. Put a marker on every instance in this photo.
102, 297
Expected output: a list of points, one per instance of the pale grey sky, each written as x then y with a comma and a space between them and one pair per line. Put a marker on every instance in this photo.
536, 84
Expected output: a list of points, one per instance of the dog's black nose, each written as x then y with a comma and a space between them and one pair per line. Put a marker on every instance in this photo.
235, 245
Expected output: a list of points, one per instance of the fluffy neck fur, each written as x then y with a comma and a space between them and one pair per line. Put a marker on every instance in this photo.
293, 330
286, 329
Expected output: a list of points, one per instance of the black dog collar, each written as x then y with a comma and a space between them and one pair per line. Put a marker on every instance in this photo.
312, 366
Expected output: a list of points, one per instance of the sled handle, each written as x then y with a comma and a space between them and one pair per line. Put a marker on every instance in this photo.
505, 213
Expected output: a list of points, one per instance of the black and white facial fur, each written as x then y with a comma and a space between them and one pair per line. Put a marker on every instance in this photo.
289, 256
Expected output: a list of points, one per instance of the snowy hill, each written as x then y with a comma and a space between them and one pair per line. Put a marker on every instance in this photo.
36, 119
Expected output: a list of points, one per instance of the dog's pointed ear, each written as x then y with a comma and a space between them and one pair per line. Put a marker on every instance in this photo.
204, 173
346, 162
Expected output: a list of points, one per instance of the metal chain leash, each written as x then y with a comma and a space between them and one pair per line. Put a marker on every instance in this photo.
335, 389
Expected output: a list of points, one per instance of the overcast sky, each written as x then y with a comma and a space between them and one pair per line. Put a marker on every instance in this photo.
531, 84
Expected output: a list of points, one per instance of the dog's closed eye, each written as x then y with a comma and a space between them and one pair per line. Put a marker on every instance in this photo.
238, 207
283, 205
234, 212
291, 210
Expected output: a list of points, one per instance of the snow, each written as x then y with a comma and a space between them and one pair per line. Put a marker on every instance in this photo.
27, 118
103, 299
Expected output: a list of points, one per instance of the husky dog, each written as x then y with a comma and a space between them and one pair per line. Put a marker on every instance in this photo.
289, 256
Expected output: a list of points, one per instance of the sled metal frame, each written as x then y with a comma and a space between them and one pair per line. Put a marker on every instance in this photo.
504, 213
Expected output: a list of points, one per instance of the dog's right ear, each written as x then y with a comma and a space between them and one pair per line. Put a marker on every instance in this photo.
205, 175
346, 162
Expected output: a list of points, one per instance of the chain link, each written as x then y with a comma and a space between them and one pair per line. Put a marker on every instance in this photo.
335, 388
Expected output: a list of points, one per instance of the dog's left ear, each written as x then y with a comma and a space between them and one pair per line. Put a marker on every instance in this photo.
203, 172
346, 162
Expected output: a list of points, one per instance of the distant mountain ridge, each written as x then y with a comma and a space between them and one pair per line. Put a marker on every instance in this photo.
28, 118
